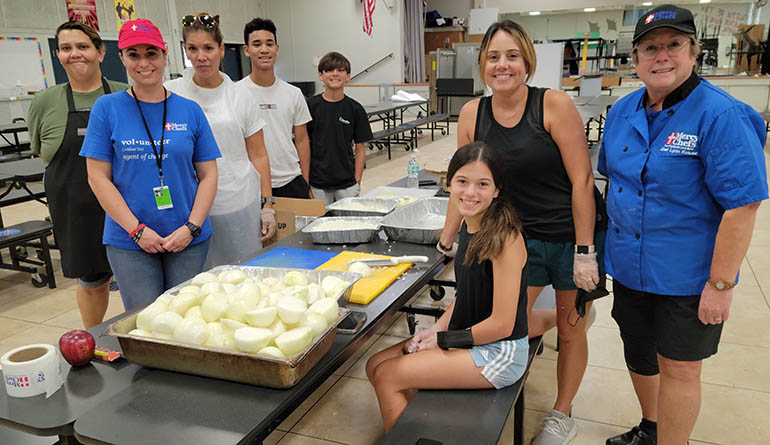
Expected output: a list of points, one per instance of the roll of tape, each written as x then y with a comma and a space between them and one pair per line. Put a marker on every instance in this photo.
31, 370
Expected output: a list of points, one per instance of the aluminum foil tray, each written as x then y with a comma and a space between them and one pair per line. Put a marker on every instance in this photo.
340, 208
420, 222
405, 195
226, 364
343, 236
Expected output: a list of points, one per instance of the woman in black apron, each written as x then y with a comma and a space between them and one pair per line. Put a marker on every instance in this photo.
77, 217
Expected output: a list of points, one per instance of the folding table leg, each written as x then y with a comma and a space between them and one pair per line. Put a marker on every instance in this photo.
46, 252
518, 420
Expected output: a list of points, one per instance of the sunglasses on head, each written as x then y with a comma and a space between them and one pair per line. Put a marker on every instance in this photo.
205, 20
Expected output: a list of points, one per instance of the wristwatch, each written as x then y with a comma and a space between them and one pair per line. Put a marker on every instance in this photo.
268, 200
194, 230
720, 285
584, 249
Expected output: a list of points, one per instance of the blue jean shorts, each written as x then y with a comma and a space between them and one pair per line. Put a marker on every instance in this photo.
503, 362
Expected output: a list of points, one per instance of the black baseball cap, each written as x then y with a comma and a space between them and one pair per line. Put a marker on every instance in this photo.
664, 16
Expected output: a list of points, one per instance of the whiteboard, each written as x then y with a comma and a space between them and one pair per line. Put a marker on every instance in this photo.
22, 62
550, 65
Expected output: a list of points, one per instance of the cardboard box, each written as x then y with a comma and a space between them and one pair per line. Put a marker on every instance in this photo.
286, 209
608, 80
439, 169
441, 39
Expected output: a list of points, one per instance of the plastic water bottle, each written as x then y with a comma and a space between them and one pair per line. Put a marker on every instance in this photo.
19, 90
413, 173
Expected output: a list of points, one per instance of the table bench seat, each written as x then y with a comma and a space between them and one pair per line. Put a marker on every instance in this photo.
463, 416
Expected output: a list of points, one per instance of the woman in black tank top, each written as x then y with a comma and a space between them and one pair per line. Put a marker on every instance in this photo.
481, 339
549, 181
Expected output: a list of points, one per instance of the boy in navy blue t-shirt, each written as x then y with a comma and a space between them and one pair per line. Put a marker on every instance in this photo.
338, 122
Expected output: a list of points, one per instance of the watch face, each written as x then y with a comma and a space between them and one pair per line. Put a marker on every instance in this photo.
720, 285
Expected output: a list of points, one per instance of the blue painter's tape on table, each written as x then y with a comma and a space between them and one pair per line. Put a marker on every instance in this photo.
291, 257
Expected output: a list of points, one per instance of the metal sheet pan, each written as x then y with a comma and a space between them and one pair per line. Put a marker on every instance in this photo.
343, 236
420, 222
227, 364
341, 207
405, 195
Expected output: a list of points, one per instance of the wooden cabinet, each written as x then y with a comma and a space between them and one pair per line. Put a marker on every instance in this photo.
442, 37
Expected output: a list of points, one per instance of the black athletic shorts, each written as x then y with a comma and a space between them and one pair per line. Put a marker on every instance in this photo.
669, 322
297, 188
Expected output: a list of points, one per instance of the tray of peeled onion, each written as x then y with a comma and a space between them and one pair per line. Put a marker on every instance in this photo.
264, 326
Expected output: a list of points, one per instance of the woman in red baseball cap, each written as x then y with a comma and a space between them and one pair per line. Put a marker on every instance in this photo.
151, 164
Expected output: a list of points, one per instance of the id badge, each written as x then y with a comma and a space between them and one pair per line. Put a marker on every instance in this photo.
162, 198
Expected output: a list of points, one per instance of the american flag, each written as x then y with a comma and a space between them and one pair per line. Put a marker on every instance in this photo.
368, 11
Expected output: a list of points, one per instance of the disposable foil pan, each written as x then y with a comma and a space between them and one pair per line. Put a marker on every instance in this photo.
341, 207
405, 195
343, 236
420, 222
224, 363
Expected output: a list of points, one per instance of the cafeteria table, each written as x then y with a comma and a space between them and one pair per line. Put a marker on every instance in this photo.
390, 112
21, 181
128, 403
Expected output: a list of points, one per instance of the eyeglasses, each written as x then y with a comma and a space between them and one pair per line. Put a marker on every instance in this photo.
674, 47
205, 20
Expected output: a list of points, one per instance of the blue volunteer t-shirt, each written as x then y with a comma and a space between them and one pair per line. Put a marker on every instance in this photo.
116, 134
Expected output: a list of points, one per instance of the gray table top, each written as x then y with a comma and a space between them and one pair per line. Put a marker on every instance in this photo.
588, 112
18, 127
168, 407
24, 168
389, 105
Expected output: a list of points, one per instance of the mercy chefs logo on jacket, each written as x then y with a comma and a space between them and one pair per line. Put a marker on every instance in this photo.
681, 143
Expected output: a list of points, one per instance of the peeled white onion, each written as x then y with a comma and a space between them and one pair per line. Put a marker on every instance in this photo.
261, 318
190, 289
291, 309
252, 339
204, 277
248, 291
214, 305
294, 278
144, 317
140, 332
272, 352
272, 298
330, 284
229, 288
221, 340
191, 330
237, 308
166, 298
182, 303
165, 323
161, 336
295, 340
194, 312
234, 276
263, 289
362, 268
210, 288
327, 307
215, 327
314, 293
270, 281
315, 321
232, 325
277, 328
300, 292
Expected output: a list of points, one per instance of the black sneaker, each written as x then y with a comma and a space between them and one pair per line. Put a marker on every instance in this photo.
634, 437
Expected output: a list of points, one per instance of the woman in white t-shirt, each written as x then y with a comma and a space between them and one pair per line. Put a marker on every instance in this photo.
244, 168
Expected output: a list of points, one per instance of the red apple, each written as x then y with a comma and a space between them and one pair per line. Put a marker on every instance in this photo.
77, 347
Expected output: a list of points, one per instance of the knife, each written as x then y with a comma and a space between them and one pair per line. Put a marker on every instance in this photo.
391, 261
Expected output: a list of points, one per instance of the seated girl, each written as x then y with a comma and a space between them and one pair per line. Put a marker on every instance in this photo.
481, 339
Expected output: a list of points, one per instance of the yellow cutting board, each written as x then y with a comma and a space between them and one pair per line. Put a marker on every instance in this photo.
366, 288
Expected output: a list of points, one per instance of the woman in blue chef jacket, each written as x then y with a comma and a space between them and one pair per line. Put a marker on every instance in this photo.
151, 160
687, 175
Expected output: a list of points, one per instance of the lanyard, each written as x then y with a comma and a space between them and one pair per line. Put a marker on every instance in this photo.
158, 158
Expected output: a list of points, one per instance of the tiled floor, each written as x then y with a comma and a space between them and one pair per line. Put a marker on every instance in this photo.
736, 382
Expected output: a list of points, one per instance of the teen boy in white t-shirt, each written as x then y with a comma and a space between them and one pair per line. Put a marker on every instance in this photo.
284, 110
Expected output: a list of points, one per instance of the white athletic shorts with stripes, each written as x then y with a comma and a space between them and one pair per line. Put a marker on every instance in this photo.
503, 362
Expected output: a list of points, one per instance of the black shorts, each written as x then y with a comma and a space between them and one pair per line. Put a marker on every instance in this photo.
668, 322
297, 188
